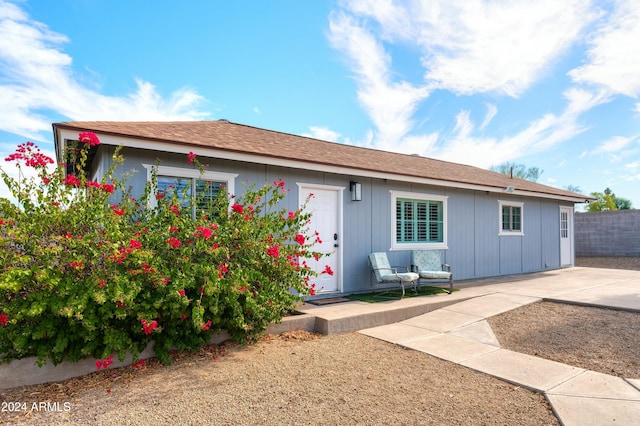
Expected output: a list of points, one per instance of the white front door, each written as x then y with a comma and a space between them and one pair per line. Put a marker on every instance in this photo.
325, 206
566, 235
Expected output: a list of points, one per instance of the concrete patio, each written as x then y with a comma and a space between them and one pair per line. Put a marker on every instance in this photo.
454, 328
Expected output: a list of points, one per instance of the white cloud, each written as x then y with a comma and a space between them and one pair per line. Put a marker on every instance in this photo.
581, 100
492, 110
505, 46
464, 146
467, 47
393, 17
633, 166
471, 46
389, 104
37, 76
613, 145
424, 145
323, 133
614, 52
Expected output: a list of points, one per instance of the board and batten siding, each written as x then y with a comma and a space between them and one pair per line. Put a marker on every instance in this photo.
484, 213
462, 234
475, 250
532, 245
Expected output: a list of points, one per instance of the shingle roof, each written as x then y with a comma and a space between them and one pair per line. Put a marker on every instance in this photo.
227, 136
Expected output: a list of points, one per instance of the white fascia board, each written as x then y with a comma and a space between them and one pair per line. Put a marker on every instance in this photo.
176, 148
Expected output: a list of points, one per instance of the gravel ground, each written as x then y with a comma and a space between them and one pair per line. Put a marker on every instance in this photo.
601, 340
610, 262
299, 378
304, 378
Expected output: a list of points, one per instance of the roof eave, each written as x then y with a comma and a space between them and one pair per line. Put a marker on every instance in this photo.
63, 132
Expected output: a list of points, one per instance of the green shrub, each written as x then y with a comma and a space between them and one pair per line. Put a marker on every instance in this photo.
83, 277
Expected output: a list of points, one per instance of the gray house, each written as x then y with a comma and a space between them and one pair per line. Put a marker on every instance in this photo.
485, 224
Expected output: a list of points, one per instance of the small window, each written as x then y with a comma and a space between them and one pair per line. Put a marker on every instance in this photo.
564, 225
419, 221
511, 218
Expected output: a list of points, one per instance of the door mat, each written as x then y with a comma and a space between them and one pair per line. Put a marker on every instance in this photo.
322, 302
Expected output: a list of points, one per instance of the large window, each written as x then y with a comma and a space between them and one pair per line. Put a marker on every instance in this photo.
190, 184
510, 218
419, 221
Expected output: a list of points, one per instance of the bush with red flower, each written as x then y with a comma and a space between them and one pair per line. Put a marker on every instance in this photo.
89, 271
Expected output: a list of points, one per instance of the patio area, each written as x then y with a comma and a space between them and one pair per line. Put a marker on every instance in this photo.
454, 328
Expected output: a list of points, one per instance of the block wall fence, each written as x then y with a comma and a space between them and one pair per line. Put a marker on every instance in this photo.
609, 233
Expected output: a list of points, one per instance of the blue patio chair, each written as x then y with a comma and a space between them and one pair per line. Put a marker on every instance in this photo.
384, 273
428, 265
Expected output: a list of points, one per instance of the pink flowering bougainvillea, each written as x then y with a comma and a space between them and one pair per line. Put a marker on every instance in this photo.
149, 326
273, 251
327, 270
104, 363
204, 232
76, 265
238, 208
71, 180
31, 155
89, 138
174, 242
118, 211
107, 274
138, 365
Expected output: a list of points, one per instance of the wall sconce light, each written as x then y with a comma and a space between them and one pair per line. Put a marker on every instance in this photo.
356, 191
509, 189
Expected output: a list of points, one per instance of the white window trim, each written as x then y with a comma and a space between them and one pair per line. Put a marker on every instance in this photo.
418, 196
504, 233
181, 172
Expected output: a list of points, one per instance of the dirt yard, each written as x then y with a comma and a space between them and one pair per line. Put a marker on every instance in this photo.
632, 263
303, 378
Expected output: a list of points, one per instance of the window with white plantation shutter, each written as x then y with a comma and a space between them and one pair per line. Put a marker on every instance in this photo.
418, 221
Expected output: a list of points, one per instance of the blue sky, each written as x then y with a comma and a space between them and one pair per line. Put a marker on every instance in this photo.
553, 84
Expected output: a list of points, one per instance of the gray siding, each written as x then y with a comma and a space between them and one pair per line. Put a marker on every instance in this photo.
532, 242
511, 255
462, 234
475, 250
359, 234
486, 242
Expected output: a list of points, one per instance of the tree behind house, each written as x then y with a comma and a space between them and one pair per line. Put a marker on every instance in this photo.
518, 170
606, 201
